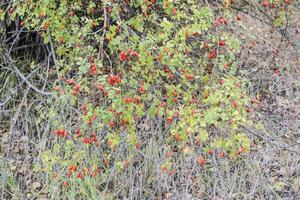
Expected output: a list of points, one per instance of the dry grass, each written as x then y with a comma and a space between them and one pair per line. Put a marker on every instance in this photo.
271, 170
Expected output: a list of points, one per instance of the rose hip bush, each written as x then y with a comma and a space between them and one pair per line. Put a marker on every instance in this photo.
120, 64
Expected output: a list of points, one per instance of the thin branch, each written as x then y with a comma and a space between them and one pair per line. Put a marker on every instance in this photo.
15, 68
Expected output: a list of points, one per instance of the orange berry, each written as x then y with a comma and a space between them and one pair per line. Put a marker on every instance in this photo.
240, 150
171, 172
80, 175
197, 141
201, 161
226, 66
221, 81
221, 154
71, 13
174, 11
137, 146
22, 23
234, 104
93, 134
211, 151
42, 14
170, 120
177, 137
111, 123
168, 154
126, 163
65, 183
70, 81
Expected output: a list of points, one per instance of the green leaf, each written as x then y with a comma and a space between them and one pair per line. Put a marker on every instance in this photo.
203, 135
1, 15
234, 43
137, 23
278, 22
279, 185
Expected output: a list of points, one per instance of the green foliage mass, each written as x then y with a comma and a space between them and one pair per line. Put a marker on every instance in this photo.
167, 60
